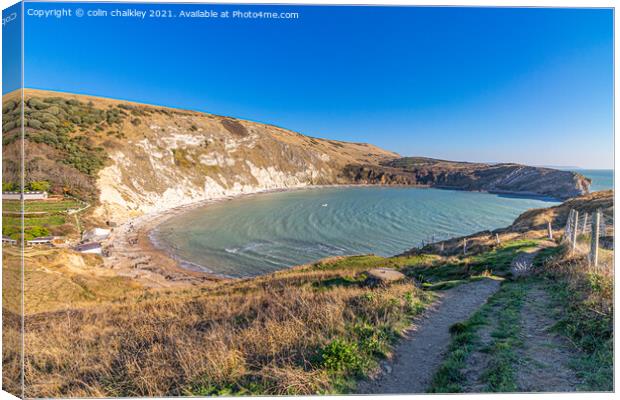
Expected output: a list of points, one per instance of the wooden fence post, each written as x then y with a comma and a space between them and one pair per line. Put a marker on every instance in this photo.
464, 246
596, 222
497, 238
574, 231
567, 231
549, 230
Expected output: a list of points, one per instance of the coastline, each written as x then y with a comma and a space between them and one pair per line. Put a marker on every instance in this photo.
133, 250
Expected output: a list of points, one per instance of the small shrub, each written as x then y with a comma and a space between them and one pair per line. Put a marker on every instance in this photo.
458, 328
341, 356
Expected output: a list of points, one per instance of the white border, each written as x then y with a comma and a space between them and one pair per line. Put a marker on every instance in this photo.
471, 3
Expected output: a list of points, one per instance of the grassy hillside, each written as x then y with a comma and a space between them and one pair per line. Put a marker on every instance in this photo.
309, 330
530, 224
565, 308
312, 329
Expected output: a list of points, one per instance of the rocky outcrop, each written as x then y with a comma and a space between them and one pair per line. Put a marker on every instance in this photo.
383, 277
496, 178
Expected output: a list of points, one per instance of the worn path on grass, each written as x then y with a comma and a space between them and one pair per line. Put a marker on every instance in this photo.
522, 264
418, 356
544, 356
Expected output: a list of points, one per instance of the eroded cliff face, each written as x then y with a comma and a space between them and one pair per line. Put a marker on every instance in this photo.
497, 178
168, 161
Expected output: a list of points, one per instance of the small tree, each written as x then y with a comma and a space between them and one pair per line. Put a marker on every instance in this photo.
37, 231
8, 186
40, 186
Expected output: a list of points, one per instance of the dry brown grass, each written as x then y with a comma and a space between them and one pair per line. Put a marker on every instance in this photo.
594, 285
11, 321
585, 294
255, 336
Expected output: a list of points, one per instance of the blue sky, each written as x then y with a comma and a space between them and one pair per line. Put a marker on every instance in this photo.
522, 85
11, 48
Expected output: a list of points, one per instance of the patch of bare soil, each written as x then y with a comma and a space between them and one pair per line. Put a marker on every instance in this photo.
545, 355
421, 353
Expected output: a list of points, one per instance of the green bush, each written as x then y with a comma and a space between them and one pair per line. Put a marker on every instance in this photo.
374, 340
9, 186
34, 123
42, 186
341, 356
37, 231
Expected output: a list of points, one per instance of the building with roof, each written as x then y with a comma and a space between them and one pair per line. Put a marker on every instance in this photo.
89, 248
40, 240
8, 240
30, 195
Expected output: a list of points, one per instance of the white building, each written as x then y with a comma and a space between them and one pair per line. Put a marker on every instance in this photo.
88, 248
41, 240
26, 195
8, 240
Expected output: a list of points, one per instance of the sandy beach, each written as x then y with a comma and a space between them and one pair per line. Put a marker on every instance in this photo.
130, 250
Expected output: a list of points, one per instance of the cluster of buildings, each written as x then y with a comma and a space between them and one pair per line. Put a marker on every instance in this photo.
91, 239
86, 246
47, 240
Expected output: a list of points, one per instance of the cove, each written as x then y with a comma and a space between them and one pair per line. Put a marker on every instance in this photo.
263, 233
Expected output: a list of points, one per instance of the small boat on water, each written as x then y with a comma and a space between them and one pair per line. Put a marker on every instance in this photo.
324, 205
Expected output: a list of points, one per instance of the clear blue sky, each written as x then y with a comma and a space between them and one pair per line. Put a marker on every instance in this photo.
478, 84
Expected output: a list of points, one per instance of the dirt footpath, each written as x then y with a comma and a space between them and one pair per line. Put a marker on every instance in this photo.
546, 355
419, 355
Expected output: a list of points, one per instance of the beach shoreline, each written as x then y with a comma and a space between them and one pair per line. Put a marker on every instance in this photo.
133, 250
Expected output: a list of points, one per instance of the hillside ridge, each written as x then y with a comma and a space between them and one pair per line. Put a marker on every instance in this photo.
131, 159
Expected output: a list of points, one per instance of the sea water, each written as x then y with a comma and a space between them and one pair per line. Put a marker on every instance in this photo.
262, 233
602, 179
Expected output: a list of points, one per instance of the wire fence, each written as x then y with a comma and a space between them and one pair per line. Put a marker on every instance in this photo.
596, 226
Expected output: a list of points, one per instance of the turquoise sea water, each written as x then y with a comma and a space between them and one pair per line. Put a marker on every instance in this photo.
602, 179
267, 232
